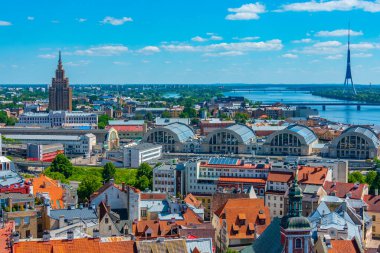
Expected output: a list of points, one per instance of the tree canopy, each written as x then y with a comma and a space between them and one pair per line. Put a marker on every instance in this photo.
62, 165
109, 171
89, 185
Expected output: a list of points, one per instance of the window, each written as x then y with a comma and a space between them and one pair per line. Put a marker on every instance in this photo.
298, 243
109, 228
106, 220
374, 217
26, 220
17, 221
374, 229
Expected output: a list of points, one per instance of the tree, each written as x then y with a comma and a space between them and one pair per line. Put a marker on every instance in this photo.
88, 186
62, 165
56, 176
370, 177
241, 117
166, 114
356, 176
103, 121
143, 183
109, 171
145, 170
149, 116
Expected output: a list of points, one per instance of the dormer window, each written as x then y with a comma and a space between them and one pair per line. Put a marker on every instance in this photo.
242, 218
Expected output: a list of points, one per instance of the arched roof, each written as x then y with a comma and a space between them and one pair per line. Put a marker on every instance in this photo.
242, 132
180, 131
366, 132
306, 135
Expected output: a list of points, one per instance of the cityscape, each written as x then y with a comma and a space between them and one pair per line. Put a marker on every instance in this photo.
190, 127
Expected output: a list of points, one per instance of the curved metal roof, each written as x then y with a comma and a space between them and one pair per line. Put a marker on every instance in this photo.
304, 131
366, 131
246, 133
183, 131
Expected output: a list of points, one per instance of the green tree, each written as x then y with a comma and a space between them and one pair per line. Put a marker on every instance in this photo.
56, 176
143, 183
88, 186
149, 116
103, 121
375, 184
109, 171
166, 114
62, 165
356, 176
241, 117
370, 177
145, 170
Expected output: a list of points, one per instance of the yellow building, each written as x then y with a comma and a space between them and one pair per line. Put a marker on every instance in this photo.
373, 209
206, 203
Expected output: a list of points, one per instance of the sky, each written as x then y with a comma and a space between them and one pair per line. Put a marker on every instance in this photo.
197, 41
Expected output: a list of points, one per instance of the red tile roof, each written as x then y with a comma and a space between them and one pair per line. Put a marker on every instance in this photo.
116, 245
306, 175
44, 184
191, 200
341, 190
280, 176
242, 180
373, 203
153, 196
252, 211
346, 246
136, 128
5, 233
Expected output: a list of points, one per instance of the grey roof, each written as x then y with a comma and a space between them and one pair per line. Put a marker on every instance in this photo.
9, 177
305, 132
125, 122
143, 146
370, 133
204, 245
183, 131
269, 241
43, 137
166, 121
17, 196
246, 133
86, 213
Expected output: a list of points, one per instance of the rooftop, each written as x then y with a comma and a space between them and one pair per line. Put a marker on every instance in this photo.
342, 190
44, 184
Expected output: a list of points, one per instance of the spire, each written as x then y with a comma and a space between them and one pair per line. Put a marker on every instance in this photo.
348, 78
60, 59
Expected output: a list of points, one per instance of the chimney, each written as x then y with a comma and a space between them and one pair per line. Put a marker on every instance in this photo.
108, 208
327, 239
46, 236
70, 235
123, 186
95, 233
61, 223
10, 203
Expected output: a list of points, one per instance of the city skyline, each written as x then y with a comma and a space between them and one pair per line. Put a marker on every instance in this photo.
178, 42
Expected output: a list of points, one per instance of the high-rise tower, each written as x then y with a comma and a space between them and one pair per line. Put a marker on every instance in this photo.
348, 78
60, 93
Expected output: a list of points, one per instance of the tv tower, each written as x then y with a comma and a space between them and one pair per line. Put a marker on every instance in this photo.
348, 78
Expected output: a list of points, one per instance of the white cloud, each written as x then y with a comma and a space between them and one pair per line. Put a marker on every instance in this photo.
55, 21
332, 43
30, 18
226, 53
78, 63
116, 21
306, 40
5, 23
198, 39
334, 57
270, 45
338, 33
81, 20
47, 56
290, 56
333, 5
246, 38
365, 46
216, 37
149, 50
246, 12
361, 55
119, 63
107, 50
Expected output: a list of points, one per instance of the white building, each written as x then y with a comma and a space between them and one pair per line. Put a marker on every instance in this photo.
59, 119
202, 177
164, 179
133, 156
73, 144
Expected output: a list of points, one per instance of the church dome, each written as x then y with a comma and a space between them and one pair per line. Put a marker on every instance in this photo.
295, 223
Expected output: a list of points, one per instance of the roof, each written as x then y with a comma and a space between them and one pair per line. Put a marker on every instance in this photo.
5, 233
128, 128
165, 121
304, 131
86, 213
269, 241
342, 190
43, 137
183, 131
242, 180
219, 199
155, 246
114, 245
246, 133
126, 122
143, 146
191, 200
153, 196
253, 211
373, 203
312, 175
44, 184
346, 246
203, 245
368, 132
279, 176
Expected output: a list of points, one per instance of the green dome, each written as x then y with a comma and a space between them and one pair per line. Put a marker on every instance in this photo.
295, 223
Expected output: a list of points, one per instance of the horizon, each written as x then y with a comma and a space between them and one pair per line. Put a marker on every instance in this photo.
199, 43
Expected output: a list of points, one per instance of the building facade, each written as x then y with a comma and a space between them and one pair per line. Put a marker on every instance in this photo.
134, 156
60, 94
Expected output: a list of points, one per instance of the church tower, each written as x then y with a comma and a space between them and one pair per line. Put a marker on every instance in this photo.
60, 93
295, 229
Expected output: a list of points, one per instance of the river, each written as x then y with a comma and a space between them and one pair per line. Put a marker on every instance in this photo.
344, 114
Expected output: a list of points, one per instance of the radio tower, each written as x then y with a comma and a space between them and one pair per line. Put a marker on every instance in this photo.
348, 78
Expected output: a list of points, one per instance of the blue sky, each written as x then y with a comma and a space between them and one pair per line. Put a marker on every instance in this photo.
198, 41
